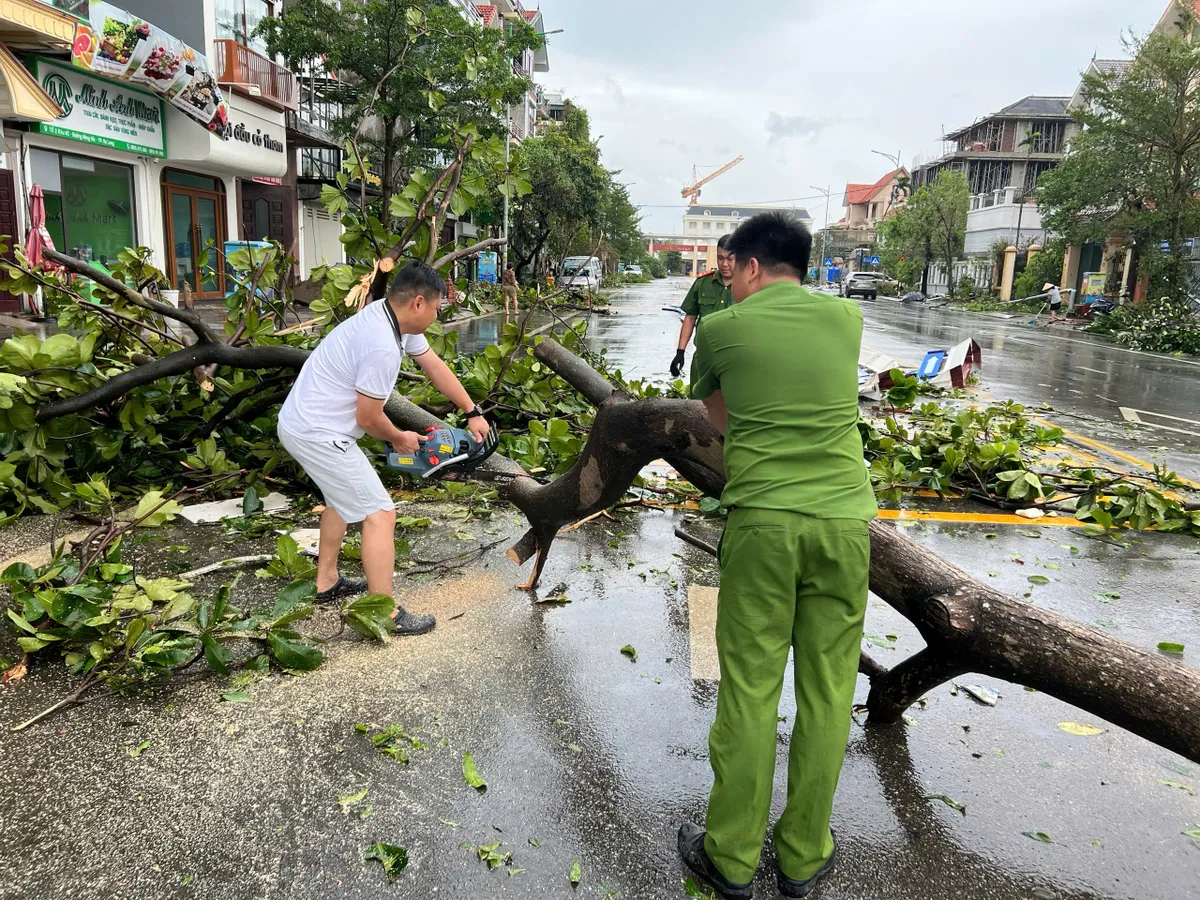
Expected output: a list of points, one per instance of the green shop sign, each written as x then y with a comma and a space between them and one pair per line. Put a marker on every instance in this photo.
101, 112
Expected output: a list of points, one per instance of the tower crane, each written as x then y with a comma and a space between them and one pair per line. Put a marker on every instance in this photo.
693, 190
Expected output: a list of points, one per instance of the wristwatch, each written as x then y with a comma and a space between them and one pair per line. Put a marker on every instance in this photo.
475, 413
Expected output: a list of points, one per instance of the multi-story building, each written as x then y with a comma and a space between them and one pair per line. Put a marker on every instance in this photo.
869, 204
503, 13
703, 226
1002, 156
167, 130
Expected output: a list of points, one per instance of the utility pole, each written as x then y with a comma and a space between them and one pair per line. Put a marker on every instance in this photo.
824, 231
507, 189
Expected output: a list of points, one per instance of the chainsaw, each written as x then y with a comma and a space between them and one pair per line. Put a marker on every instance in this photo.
445, 451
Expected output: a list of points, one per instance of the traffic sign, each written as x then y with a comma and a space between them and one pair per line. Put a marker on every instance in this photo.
828, 262
1165, 246
873, 260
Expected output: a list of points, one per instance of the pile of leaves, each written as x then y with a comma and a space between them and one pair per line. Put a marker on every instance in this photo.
118, 628
1158, 326
1000, 456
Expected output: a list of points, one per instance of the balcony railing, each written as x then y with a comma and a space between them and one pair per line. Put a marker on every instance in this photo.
239, 67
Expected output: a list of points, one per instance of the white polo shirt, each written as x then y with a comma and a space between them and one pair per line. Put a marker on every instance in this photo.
360, 356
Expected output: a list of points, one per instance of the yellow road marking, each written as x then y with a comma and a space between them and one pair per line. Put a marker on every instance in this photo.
912, 515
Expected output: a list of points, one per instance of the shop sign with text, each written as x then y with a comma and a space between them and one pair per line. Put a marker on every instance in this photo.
117, 44
101, 112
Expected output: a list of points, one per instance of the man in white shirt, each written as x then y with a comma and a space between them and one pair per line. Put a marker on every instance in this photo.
338, 397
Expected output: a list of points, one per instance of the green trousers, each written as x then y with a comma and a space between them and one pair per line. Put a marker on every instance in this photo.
788, 581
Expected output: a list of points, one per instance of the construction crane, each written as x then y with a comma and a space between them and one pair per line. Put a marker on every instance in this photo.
693, 190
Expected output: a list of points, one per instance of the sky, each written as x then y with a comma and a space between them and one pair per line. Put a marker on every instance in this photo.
805, 90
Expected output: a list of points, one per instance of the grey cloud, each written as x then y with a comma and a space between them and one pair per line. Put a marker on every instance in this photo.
783, 127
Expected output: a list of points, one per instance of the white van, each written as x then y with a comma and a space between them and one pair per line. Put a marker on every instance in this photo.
582, 272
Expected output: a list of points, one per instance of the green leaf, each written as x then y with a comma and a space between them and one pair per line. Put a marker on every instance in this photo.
556, 600
471, 774
1175, 784
163, 510
345, 801
1171, 648
392, 858
18, 573
138, 750
20, 622
292, 653
1038, 579
1039, 836
576, 874
1079, 730
709, 504
1194, 834
239, 696
250, 502
630, 652
950, 802
215, 654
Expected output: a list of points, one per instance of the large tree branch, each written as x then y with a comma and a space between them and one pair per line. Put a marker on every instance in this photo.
177, 363
188, 317
456, 255
443, 209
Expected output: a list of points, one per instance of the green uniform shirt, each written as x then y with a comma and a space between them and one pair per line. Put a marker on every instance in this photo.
786, 363
708, 294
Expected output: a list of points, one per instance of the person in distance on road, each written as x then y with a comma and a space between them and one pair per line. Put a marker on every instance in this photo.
1054, 296
512, 292
338, 397
778, 374
709, 293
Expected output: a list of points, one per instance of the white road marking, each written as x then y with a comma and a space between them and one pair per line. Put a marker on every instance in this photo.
1135, 416
1097, 371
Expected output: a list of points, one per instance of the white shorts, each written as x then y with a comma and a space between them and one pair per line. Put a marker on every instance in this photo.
342, 472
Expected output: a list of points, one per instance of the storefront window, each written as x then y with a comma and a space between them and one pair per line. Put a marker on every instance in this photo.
89, 205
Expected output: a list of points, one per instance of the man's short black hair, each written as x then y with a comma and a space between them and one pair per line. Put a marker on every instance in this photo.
723, 243
417, 278
779, 242
509, 266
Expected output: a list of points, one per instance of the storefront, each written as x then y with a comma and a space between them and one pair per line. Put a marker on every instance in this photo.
93, 162
215, 190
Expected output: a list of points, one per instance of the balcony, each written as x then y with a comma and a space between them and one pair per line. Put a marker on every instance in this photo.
237, 66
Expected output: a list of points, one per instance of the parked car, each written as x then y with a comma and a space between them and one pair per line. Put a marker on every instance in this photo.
862, 284
583, 273
633, 270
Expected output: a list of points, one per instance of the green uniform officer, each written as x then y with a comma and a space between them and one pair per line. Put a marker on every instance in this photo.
709, 293
778, 374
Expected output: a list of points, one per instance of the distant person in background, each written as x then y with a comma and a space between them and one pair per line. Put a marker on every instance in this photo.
1055, 297
512, 291
710, 292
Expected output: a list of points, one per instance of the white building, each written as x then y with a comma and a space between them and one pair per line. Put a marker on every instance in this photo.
703, 226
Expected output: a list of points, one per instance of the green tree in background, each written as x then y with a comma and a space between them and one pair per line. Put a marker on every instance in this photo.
408, 76
932, 227
1136, 165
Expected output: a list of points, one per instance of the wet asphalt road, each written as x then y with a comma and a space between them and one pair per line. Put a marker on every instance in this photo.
596, 758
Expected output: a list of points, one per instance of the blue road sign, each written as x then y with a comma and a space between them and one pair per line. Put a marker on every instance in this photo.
873, 260
1165, 246
828, 262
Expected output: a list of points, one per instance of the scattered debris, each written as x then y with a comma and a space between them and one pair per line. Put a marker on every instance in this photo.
1032, 513
1080, 730
392, 858
949, 801
984, 695
220, 510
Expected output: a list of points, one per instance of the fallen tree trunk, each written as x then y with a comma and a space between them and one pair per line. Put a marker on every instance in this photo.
967, 626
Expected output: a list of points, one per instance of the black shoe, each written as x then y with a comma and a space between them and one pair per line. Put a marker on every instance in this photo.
691, 848
791, 888
343, 587
412, 623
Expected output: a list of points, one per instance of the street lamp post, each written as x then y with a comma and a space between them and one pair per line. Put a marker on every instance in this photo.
895, 160
824, 231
